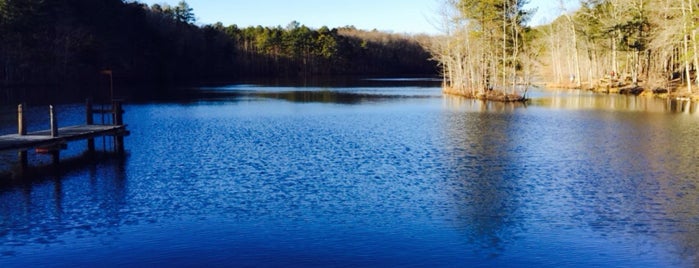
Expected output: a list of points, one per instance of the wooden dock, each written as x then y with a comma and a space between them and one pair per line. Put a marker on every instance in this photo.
44, 138
55, 139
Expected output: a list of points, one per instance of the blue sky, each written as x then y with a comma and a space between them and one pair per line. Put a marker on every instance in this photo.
399, 16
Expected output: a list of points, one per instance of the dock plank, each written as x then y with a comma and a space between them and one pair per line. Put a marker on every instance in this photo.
65, 134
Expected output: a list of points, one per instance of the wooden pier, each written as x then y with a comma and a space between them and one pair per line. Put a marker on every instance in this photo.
55, 139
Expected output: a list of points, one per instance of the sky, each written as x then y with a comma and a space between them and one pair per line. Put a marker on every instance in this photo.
398, 16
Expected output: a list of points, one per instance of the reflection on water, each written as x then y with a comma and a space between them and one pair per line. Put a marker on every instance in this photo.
462, 104
296, 177
627, 177
327, 96
12, 175
69, 203
579, 100
484, 178
583, 100
347, 82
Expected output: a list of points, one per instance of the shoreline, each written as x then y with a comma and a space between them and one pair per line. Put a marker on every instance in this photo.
641, 89
490, 95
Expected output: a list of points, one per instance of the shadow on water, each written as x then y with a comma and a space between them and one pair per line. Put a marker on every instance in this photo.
485, 177
291, 94
297, 95
82, 196
335, 89
348, 81
331, 97
19, 177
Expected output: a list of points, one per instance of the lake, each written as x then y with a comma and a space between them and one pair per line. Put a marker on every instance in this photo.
383, 173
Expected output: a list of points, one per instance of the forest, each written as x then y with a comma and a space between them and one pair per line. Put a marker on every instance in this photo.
52, 48
619, 46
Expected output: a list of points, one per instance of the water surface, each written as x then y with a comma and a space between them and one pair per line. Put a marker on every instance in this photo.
250, 175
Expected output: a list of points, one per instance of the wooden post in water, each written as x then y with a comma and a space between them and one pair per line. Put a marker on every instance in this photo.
54, 122
89, 120
21, 121
55, 153
118, 112
88, 112
22, 130
118, 120
56, 156
23, 159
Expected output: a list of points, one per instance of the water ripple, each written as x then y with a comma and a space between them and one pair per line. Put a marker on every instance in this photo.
408, 181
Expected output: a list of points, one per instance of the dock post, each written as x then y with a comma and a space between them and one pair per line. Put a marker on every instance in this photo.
54, 123
21, 121
118, 120
119, 143
23, 160
22, 130
89, 120
118, 112
55, 156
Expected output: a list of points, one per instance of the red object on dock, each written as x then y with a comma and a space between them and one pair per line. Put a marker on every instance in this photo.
42, 150
51, 148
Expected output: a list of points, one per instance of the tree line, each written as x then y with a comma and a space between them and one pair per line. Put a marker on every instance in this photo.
638, 44
652, 43
50, 48
297, 50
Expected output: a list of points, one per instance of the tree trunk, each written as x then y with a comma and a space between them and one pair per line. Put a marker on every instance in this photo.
694, 41
578, 83
615, 61
503, 68
686, 49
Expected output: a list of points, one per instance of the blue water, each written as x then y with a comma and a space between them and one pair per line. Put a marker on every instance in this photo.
255, 176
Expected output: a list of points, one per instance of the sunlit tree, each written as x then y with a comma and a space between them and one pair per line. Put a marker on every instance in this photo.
482, 50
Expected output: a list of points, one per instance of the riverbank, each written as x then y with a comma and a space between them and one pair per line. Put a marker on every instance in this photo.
673, 90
